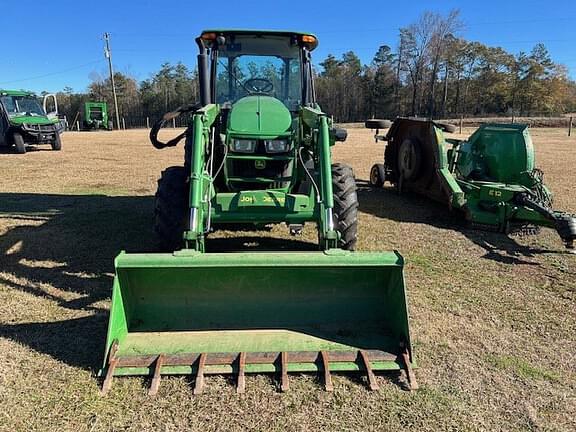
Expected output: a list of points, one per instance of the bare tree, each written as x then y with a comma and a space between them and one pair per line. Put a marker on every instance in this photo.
443, 30
415, 41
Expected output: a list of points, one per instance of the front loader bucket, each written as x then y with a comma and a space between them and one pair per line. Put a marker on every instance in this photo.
193, 313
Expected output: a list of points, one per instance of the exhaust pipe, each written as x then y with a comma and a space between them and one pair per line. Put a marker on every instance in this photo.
205, 97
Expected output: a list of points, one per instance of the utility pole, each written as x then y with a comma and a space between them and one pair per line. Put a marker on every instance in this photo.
108, 55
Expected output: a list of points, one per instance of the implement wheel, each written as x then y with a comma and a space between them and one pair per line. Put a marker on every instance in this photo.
19, 143
446, 127
409, 159
171, 208
345, 205
377, 175
377, 124
57, 143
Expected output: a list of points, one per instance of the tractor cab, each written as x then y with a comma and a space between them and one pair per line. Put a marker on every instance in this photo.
246, 63
260, 81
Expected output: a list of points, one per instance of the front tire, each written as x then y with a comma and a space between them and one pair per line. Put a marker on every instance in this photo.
345, 205
57, 143
171, 208
377, 175
19, 143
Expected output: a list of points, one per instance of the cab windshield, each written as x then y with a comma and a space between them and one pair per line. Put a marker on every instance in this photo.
252, 65
22, 105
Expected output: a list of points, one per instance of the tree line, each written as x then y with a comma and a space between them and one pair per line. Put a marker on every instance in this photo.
431, 72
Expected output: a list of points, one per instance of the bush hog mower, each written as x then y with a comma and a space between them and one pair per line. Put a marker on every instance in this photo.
23, 120
490, 176
257, 152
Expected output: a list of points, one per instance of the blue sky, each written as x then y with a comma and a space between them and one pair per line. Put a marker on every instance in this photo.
59, 43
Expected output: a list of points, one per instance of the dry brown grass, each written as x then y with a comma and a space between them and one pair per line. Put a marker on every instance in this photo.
493, 319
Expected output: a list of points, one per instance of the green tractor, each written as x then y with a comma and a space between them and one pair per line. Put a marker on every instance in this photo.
24, 120
257, 152
95, 116
490, 177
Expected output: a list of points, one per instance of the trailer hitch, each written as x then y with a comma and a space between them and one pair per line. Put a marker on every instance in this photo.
165, 119
564, 223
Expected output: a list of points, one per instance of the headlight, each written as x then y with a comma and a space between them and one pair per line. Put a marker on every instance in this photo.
243, 145
276, 146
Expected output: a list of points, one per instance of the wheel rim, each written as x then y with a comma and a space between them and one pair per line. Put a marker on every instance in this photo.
407, 159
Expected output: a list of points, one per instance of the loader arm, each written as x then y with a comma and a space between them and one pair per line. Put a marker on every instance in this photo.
199, 177
318, 123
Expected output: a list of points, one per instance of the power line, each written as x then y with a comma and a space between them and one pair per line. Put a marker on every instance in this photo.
53, 73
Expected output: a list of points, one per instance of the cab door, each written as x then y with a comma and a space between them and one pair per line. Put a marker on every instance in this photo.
50, 104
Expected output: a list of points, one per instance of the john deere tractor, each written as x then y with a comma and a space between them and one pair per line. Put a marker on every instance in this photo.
490, 177
257, 152
24, 120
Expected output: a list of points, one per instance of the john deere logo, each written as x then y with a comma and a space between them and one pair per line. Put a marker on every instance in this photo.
260, 164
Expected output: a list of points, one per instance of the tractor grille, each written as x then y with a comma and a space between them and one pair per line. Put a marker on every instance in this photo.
251, 174
40, 128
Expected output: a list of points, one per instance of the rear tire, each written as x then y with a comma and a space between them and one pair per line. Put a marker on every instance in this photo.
171, 208
57, 143
19, 143
345, 205
377, 175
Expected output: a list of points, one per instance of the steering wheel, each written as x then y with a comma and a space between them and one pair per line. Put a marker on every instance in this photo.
258, 85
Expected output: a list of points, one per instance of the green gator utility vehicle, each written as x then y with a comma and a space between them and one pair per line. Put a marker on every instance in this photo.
23, 120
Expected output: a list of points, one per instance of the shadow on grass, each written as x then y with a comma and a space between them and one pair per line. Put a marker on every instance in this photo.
409, 207
77, 342
67, 244
29, 149
261, 244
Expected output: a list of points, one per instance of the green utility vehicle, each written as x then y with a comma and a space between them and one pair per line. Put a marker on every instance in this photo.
95, 116
490, 177
23, 120
257, 152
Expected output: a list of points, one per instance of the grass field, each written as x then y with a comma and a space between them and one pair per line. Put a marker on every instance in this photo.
493, 318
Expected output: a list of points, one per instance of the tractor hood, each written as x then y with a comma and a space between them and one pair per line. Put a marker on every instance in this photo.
36, 120
259, 115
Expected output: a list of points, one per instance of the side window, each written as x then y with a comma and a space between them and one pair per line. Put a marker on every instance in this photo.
8, 103
294, 89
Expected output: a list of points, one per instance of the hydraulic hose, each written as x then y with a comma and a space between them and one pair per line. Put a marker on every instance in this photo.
165, 119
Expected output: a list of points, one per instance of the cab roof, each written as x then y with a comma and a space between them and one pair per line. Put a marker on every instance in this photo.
16, 93
287, 33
